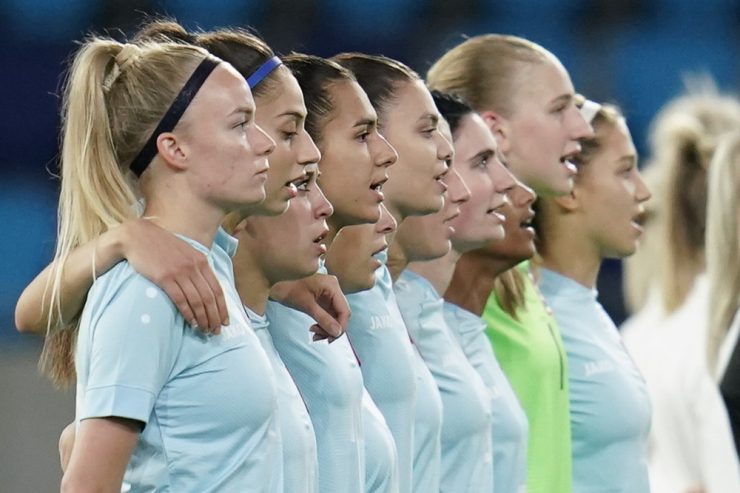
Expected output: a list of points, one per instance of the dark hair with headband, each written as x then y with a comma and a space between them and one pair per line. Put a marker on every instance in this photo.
249, 54
452, 108
315, 75
378, 75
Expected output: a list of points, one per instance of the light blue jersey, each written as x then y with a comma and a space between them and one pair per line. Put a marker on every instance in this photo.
207, 402
329, 380
510, 428
609, 404
381, 459
383, 348
300, 465
466, 411
428, 406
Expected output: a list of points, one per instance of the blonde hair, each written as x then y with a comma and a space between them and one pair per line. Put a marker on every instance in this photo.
484, 70
684, 137
509, 290
114, 96
723, 242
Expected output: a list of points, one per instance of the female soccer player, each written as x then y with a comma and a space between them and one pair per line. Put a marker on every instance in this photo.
481, 222
175, 125
525, 96
691, 448
354, 162
609, 404
410, 401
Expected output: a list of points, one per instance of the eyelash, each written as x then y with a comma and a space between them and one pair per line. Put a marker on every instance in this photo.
483, 162
289, 135
363, 136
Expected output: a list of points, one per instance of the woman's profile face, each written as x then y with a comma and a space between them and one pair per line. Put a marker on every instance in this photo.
281, 113
411, 125
544, 128
476, 160
351, 256
289, 246
610, 192
225, 151
518, 242
355, 156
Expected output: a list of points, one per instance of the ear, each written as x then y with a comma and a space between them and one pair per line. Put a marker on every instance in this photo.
569, 202
172, 151
499, 127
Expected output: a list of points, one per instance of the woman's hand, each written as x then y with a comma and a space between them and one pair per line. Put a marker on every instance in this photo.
179, 270
319, 297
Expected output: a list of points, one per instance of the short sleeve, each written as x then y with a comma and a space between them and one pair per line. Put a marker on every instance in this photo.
133, 345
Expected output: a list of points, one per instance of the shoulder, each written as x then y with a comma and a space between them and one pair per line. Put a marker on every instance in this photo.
123, 294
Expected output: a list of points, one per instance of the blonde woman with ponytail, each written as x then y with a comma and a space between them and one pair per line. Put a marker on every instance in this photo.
723, 269
691, 447
175, 127
527, 100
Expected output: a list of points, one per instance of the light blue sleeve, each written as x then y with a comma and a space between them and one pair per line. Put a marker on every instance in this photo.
129, 349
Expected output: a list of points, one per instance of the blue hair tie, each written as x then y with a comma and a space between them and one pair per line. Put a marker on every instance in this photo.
263, 71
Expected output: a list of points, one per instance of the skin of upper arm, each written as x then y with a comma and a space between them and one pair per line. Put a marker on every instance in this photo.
102, 449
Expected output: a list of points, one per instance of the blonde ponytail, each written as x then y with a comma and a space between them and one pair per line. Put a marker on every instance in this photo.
114, 96
723, 243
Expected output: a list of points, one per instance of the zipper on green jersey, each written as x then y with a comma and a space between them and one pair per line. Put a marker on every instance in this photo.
560, 356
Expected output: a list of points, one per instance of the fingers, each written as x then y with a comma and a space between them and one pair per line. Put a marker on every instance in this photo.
320, 335
218, 294
202, 302
326, 322
175, 293
340, 308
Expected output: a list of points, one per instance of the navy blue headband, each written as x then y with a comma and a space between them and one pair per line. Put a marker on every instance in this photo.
263, 71
174, 113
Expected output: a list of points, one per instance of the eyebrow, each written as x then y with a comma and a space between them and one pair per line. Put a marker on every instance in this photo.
248, 111
629, 159
293, 114
431, 117
366, 122
564, 98
489, 153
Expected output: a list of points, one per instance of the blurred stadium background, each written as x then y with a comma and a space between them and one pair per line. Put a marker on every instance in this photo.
636, 53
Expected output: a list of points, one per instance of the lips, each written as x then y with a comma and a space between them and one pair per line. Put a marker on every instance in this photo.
527, 221
567, 160
377, 187
322, 236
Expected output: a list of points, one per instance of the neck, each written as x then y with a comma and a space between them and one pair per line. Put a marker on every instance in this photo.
397, 259
472, 280
179, 213
439, 271
252, 283
572, 255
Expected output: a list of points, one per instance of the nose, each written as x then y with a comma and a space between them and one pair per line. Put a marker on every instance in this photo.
383, 153
504, 181
579, 127
457, 191
262, 143
308, 153
445, 151
386, 224
642, 192
521, 195
322, 207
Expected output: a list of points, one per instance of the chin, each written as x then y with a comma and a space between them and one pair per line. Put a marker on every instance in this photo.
272, 207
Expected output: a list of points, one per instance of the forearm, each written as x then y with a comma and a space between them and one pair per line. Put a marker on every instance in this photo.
32, 312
